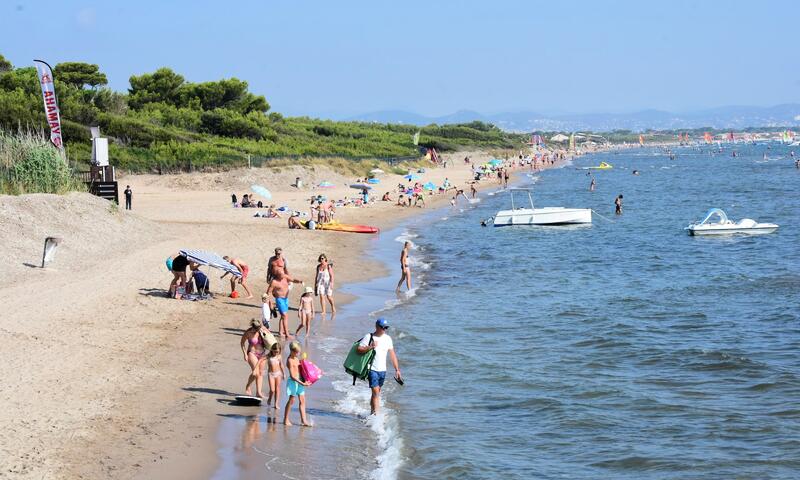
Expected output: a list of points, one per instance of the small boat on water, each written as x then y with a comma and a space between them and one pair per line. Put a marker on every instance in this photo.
716, 222
540, 216
602, 166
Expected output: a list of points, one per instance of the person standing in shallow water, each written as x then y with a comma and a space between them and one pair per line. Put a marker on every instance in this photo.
381, 342
295, 387
405, 275
254, 350
618, 204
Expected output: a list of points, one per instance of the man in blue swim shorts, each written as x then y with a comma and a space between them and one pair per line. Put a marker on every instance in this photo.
279, 289
381, 342
282, 304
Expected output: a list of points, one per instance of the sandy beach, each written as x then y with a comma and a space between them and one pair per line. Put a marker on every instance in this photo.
636, 316
120, 373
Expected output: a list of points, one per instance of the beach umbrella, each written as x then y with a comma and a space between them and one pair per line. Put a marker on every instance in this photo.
261, 191
495, 162
429, 186
376, 171
373, 181
361, 186
411, 176
211, 259
325, 184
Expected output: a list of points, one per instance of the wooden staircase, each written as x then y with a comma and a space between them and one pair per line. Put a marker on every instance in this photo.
102, 181
107, 190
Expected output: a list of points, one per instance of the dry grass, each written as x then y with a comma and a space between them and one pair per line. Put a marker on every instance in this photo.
30, 164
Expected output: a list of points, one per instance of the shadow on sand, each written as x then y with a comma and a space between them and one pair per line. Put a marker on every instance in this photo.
154, 292
232, 331
211, 391
240, 304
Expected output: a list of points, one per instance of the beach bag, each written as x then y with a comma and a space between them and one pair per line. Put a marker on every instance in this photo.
268, 338
310, 372
358, 364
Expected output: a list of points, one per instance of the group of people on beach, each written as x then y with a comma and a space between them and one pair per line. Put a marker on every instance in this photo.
197, 282
263, 351
248, 201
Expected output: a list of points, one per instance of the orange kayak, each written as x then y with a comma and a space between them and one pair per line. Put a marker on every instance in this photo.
343, 227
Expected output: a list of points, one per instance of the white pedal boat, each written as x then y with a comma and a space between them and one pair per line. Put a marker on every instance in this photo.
716, 222
540, 216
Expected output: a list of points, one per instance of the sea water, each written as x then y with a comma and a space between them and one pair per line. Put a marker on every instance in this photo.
624, 349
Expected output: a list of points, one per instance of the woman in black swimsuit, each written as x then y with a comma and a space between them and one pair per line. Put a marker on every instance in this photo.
179, 264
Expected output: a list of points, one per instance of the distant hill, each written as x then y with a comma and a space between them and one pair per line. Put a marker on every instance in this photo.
734, 117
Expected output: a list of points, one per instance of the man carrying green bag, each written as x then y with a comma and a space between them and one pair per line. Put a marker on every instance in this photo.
367, 360
358, 364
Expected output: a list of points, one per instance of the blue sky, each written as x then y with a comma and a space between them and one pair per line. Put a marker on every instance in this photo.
340, 58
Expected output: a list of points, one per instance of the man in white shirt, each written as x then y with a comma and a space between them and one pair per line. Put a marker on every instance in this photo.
381, 342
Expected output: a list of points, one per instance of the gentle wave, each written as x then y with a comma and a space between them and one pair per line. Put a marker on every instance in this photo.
384, 425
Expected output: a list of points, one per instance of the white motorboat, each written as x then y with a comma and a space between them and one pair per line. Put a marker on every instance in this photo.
540, 216
717, 223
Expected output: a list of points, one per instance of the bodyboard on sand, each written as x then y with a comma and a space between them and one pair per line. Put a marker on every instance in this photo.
248, 400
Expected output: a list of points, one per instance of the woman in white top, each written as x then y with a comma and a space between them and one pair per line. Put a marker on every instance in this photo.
324, 284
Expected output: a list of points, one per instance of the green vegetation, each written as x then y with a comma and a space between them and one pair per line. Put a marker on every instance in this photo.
30, 164
165, 123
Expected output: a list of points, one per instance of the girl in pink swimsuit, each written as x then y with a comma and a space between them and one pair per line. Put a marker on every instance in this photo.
275, 375
306, 311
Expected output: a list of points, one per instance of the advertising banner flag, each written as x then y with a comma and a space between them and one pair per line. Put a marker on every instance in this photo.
51, 110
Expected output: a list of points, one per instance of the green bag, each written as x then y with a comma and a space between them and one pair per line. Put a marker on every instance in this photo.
358, 364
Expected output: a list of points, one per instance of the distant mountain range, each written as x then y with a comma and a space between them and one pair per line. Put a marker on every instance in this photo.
734, 117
